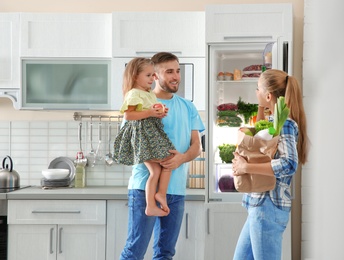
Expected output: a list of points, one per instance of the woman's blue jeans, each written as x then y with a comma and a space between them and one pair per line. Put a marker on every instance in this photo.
140, 228
261, 236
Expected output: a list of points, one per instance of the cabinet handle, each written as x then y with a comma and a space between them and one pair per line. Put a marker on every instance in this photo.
208, 227
257, 38
151, 53
56, 211
187, 225
60, 240
51, 240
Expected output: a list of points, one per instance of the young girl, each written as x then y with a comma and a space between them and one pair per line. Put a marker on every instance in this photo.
268, 212
142, 138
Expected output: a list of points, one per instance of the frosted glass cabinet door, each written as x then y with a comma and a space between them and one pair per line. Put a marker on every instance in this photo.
66, 84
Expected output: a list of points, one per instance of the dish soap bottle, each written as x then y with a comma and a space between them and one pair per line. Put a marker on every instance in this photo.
80, 176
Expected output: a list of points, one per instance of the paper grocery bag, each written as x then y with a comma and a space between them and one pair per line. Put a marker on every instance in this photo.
255, 150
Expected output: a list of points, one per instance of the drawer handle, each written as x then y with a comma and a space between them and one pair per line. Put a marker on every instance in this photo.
57, 211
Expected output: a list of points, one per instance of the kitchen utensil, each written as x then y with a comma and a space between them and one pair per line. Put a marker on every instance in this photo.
91, 155
99, 155
55, 174
63, 163
108, 157
9, 178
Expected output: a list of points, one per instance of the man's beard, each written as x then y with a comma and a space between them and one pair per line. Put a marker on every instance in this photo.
164, 86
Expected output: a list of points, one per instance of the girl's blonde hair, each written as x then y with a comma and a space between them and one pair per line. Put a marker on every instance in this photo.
132, 70
279, 83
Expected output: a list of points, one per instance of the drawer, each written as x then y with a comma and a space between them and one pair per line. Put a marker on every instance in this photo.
57, 212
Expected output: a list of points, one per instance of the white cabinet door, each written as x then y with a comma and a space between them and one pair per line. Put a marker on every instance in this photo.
86, 242
61, 242
145, 33
190, 244
245, 23
32, 242
223, 226
9, 50
65, 35
9, 57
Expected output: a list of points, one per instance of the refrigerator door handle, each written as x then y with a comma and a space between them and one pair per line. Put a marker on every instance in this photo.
283, 60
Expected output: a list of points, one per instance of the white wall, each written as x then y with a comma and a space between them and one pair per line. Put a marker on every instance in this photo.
323, 75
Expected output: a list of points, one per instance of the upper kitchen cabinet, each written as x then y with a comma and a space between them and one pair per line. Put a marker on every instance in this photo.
243, 23
66, 35
9, 56
145, 33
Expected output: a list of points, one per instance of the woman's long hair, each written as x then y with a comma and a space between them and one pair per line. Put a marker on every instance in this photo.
279, 83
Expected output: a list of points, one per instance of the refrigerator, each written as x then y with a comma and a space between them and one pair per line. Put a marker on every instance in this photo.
241, 40
242, 52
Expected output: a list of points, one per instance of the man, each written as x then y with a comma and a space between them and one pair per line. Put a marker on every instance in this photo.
182, 125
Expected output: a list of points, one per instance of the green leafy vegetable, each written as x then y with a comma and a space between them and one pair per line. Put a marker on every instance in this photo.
281, 114
226, 152
246, 109
262, 124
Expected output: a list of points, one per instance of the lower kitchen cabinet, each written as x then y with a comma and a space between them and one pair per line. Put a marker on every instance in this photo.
224, 222
56, 229
190, 244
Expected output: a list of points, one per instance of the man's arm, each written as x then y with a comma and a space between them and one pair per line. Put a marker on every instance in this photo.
194, 150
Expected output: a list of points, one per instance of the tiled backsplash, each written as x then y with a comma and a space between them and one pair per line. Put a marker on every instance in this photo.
32, 145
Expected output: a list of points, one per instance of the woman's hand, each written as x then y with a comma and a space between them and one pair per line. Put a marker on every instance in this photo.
238, 164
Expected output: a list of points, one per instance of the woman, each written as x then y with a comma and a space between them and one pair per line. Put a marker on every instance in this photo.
268, 212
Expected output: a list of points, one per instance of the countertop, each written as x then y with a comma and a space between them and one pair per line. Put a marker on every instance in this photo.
87, 193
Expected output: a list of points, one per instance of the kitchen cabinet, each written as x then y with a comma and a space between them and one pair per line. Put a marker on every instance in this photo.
67, 84
243, 23
145, 33
56, 229
66, 35
223, 226
190, 243
9, 56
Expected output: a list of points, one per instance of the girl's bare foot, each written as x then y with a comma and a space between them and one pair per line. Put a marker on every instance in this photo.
161, 198
155, 211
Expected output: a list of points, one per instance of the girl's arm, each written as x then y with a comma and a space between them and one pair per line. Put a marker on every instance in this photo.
132, 114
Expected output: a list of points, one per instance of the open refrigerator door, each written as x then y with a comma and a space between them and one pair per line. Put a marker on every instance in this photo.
233, 72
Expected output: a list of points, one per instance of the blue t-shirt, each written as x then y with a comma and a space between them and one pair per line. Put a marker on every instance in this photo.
182, 118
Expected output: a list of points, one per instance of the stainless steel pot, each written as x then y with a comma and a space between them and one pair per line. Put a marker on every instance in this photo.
9, 178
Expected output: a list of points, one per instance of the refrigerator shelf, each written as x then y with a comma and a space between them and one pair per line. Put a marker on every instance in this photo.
244, 80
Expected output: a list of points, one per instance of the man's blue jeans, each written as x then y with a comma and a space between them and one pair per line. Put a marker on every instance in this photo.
140, 228
261, 236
